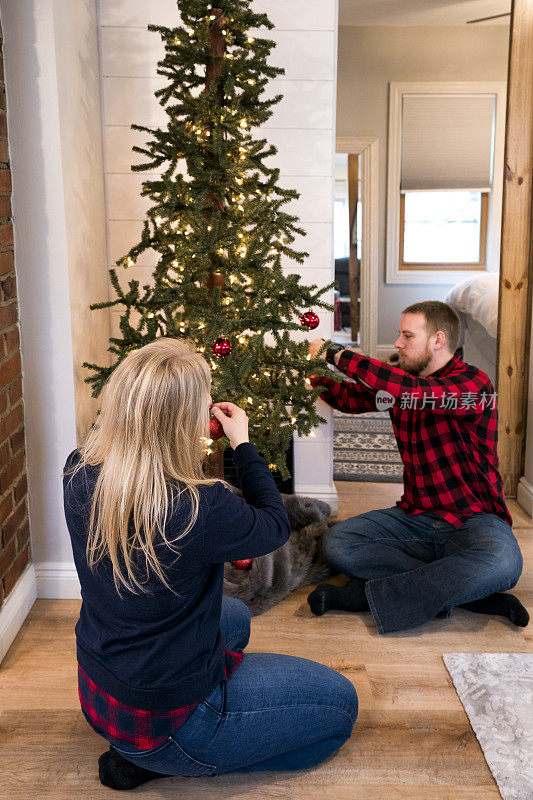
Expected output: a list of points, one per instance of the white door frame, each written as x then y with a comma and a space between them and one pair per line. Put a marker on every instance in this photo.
368, 148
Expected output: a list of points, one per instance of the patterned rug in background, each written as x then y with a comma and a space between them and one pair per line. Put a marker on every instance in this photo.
365, 449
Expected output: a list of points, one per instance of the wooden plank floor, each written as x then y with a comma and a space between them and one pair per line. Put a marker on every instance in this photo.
412, 738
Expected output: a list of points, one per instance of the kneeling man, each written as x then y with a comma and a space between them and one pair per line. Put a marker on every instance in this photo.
448, 541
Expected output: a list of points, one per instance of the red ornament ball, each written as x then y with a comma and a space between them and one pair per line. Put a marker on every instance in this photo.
221, 347
310, 320
244, 563
215, 429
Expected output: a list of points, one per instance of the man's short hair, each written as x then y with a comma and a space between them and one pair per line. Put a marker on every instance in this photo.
439, 317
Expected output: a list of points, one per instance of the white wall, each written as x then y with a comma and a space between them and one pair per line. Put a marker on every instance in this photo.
50, 53
369, 59
41, 265
302, 128
78, 84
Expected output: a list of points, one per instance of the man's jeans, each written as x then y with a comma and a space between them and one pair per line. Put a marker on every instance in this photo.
419, 567
274, 713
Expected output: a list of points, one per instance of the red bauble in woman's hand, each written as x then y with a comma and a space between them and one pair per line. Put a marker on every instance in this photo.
215, 429
244, 563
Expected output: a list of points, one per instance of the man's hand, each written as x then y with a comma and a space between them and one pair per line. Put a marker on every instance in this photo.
315, 346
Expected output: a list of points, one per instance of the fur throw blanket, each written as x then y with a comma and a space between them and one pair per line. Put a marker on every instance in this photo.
299, 562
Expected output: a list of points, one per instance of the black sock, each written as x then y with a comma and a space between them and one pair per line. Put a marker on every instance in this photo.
117, 772
328, 597
500, 604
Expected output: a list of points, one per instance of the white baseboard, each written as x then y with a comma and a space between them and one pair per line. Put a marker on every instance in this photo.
16, 608
57, 580
524, 496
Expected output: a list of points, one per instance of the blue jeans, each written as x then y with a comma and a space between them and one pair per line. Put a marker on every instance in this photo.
274, 713
419, 567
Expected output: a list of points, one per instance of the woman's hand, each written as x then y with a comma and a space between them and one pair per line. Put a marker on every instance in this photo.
234, 422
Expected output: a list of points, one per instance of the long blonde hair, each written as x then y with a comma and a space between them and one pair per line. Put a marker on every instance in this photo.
150, 437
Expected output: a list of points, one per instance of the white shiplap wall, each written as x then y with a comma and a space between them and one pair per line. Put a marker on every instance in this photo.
302, 128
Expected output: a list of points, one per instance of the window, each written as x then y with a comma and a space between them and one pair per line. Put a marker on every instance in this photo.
442, 229
444, 180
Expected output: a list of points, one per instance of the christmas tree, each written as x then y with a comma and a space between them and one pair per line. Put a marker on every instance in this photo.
218, 226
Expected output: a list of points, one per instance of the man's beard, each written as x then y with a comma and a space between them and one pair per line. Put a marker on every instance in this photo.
418, 366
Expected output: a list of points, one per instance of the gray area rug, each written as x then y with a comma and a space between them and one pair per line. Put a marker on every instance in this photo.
496, 690
365, 449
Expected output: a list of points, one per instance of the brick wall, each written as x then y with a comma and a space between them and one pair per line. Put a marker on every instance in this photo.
15, 530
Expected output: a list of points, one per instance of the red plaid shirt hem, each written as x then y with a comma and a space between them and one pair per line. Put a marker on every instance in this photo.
143, 729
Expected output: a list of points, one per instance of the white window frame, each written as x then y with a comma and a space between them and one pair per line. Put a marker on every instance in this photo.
440, 276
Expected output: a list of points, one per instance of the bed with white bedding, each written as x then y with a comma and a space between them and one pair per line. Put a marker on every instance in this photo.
476, 301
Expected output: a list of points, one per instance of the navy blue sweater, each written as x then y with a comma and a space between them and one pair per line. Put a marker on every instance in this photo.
160, 650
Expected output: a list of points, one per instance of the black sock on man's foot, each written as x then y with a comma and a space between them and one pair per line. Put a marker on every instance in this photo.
500, 604
328, 597
117, 772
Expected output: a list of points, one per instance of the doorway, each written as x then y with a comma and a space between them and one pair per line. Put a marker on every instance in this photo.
445, 52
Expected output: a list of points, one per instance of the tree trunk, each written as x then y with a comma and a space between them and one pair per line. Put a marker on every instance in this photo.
214, 463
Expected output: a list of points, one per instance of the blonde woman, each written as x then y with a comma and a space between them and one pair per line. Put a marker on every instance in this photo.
162, 675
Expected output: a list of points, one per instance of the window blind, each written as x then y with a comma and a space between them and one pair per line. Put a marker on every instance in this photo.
447, 142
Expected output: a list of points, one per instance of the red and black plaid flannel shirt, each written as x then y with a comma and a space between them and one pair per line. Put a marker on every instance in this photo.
446, 427
143, 729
